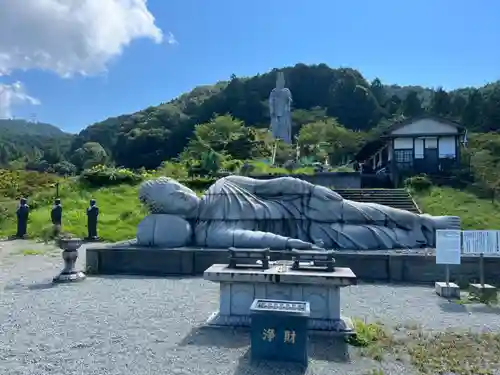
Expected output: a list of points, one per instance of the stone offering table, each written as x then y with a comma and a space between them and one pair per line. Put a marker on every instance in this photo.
240, 287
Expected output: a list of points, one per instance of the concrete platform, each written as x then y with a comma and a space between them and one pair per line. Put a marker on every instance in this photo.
486, 291
447, 290
379, 266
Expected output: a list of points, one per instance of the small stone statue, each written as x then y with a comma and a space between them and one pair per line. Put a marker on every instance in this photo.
56, 213
92, 214
22, 213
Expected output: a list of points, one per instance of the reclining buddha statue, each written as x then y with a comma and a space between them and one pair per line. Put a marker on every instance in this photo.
281, 213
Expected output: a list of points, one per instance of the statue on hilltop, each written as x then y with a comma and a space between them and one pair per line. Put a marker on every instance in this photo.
280, 110
282, 213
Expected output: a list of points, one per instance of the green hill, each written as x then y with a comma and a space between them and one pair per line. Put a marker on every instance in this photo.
158, 133
27, 128
23, 142
334, 112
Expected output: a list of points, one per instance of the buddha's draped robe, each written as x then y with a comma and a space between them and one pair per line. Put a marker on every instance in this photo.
247, 213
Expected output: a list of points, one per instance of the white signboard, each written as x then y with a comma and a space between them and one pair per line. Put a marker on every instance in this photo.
448, 246
480, 241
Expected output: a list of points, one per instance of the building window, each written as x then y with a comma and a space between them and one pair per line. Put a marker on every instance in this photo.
403, 156
404, 159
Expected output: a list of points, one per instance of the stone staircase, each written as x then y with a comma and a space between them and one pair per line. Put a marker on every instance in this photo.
397, 198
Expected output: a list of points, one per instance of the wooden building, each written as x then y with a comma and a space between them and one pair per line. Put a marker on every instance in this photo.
424, 144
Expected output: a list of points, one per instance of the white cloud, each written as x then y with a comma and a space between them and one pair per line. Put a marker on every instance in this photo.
11, 95
70, 37
171, 39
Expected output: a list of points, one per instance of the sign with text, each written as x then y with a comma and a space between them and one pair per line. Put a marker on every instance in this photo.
480, 242
448, 246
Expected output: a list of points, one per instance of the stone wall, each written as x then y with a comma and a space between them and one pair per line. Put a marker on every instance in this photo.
339, 180
371, 267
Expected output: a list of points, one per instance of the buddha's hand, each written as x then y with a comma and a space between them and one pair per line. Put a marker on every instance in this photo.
293, 243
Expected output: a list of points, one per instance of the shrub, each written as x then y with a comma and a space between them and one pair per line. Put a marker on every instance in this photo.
289, 165
232, 165
101, 175
173, 170
15, 184
247, 169
199, 183
418, 183
7, 211
366, 333
64, 168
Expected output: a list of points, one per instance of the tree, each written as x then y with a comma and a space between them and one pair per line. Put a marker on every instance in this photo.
440, 103
458, 103
64, 168
225, 135
322, 138
210, 162
491, 110
300, 117
393, 105
378, 91
411, 105
89, 155
353, 104
471, 115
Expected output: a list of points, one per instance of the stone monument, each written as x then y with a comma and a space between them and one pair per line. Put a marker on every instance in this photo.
22, 214
56, 213
280, 111
92, 214
281, 213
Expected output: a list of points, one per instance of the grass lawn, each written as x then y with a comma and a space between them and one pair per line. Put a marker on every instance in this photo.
119, 212
475, 213
449, 352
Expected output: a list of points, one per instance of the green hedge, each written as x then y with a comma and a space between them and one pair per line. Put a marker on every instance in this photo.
199, 183
100, 176
418, 183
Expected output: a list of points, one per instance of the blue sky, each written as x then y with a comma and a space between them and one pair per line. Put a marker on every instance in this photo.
430, 43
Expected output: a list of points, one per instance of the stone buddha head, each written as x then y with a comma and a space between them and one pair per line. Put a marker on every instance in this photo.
167, 196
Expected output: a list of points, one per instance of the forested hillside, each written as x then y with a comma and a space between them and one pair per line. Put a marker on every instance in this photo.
23, 143
334, 112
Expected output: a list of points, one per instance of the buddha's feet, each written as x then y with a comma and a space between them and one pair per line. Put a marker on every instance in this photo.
445, 222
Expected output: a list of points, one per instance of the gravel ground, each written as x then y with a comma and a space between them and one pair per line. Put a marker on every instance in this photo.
148, 326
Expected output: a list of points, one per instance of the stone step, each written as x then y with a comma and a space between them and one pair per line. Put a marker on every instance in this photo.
397, 198
376, 191
384, 199
373, 196
401, 201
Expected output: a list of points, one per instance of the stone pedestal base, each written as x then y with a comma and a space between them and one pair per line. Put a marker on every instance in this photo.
343, 326
486, 291
69, 255
64, 277
450, 290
